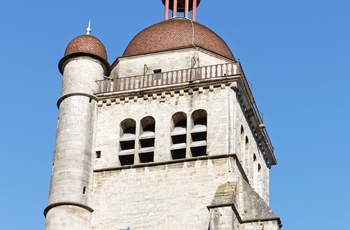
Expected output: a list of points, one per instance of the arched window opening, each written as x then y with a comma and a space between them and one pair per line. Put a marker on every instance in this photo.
242, 133
127, 142
246, 143
178, 135
259, 167
254, 157
146, 139
199, 133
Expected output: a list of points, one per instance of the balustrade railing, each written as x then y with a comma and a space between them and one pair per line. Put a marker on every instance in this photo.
167, 78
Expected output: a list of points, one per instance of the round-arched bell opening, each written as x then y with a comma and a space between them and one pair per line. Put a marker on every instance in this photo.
181, 5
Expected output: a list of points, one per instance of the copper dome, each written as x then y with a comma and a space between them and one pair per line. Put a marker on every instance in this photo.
174, 34
85, 45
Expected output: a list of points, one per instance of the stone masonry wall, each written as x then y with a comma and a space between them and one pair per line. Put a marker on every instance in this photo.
223, 137
249, 154
215, 103
171, 196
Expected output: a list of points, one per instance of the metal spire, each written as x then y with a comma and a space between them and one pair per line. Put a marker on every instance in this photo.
88, 29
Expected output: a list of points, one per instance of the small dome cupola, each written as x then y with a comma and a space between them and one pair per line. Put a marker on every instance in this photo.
85, 45
180, 6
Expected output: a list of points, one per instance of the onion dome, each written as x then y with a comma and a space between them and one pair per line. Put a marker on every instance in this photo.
85, 45
177, 33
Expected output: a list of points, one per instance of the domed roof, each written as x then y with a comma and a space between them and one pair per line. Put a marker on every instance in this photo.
85, 45
174, 34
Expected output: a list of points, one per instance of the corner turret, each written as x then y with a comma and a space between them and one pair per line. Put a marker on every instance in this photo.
84, 62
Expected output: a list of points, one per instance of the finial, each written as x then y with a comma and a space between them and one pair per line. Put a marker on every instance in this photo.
88, 29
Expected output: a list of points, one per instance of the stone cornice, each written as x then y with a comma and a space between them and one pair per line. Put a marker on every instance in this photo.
92, 97
64, 203
161, 92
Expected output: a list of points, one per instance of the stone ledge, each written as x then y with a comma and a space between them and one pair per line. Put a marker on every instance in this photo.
183, 89
152, 164
48, 208
92, 97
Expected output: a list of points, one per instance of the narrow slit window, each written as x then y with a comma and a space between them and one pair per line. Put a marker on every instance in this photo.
246, 143
242, 133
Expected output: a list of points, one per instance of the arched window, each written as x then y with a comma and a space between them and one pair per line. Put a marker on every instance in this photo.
246, 143
146, 139
127, 141
178, 135
242, 133
199, 133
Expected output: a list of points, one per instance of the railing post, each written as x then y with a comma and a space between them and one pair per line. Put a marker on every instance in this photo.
177, 77
176, 80
115, 84
99, 86
145, 81
234, 69
167, 77
105, 86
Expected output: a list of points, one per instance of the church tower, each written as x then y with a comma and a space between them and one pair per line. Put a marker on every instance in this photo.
167, 137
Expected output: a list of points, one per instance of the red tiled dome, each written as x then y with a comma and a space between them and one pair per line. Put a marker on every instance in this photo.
85, 45
174, 34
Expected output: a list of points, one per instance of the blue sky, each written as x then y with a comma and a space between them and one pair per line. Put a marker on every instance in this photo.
294, 53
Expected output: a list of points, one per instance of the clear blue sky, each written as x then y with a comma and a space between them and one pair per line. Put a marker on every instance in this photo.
294, 53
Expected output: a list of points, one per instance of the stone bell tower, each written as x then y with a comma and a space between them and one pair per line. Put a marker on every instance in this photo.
167, 137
